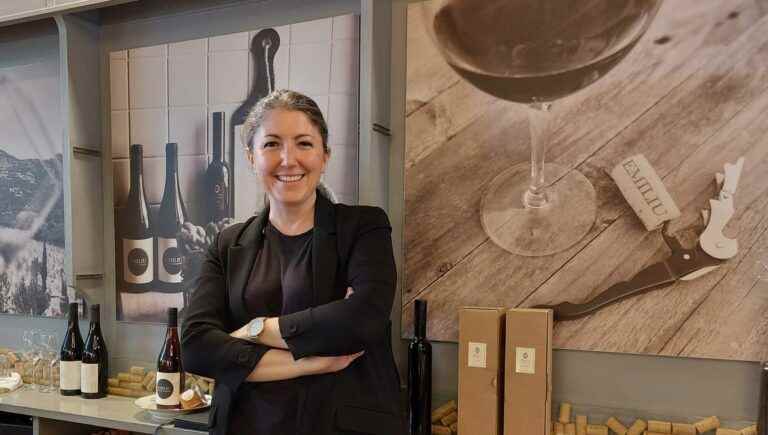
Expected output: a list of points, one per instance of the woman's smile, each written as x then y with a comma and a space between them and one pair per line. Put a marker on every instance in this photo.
289, 178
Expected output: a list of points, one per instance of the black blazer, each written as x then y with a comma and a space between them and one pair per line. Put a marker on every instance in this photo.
351, 246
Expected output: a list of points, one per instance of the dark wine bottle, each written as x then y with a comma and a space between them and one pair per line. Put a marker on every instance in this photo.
170, 374
264, 45
136, 230
762, 410
172, 216
71, 355
94, 369
217, 175
420, 374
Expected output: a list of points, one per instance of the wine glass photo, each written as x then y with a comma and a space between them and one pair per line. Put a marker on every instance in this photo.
535, 52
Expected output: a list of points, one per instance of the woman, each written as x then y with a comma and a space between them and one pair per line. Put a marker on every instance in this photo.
291, 309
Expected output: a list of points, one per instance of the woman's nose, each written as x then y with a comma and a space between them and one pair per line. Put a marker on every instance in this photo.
288, 155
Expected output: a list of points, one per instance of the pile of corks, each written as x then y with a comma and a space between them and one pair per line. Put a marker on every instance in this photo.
564, 426
140, 382
22, 365
445, 419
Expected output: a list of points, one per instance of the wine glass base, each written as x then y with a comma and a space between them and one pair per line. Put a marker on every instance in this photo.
533, 232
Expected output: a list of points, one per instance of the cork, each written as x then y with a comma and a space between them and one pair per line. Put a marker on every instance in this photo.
127, 377
570, 429
565, 413
616, 426
450, 418
125, 392
113, 382
148, 377
581, 425
749, 430
559, 428
138, 371
653, 433
723, 431
643, 189
455, 427
131, 385
597, 429
683, 429
659, 426
440, 430
443, 410
707, 424
637, 428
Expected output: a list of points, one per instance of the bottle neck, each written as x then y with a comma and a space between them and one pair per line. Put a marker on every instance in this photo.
420, 319
218, 136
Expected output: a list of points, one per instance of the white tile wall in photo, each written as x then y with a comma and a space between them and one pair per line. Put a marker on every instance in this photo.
341, 173
311, 32
120, 133
187, 127
118, 83
149, 127
346, 66
342, 119
147, 78
310, 68
228, 77
346, 27
233, 41
187, 81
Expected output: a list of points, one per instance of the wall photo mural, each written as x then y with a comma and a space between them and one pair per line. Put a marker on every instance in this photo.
688, 101
180, 171
32, 278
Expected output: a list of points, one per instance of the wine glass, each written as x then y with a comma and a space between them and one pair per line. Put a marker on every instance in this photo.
535, 52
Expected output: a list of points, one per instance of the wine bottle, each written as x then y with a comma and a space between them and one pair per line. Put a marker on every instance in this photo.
94, 369
420, 374
71, 355
170, 374
217, 175
136, 230
264, 45
172, 216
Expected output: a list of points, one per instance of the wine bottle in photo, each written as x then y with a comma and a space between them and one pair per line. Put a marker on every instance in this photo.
172, 216
420, 374
94, 368
170, 374
217, 175
71, 355
136, 230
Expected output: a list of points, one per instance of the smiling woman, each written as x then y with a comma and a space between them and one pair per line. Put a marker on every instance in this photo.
290, 312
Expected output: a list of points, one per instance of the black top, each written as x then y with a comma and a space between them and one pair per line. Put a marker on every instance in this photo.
280, 283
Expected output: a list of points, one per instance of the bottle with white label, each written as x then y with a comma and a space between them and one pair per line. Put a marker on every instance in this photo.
94, 368
170, 374
420, 374
71, 354
136, 231
171, 217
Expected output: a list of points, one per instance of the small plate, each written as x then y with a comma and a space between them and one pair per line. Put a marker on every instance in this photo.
148, 404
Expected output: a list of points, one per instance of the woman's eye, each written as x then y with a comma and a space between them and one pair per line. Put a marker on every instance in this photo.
270, 144
306, 144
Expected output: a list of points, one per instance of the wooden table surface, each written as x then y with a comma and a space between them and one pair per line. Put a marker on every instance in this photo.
692, 96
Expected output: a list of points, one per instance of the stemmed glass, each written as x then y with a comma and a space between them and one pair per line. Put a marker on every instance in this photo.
31, 339
535, 52
48, 363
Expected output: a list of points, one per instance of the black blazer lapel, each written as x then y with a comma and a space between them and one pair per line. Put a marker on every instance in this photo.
240, 260
324, 252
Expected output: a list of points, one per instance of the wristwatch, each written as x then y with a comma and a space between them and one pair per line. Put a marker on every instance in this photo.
255, 327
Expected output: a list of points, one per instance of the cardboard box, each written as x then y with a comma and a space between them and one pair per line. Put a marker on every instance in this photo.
528, 372
481, 371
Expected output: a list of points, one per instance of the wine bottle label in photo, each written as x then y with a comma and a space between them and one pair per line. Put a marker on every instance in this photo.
170, 260
138, 261
89, 378
168, 388
69, 375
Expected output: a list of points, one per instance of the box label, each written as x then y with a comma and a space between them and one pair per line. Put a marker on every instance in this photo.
477, 355
525, 361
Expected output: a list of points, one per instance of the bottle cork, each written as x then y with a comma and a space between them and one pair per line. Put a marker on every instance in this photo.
454, 427
707, 424
131, 385
559, 428
565, 413
113, 382
597, 429
581, 425
683, 429
637, 428
440, 430
643, 189
653, 433
723, 431
450, 418
138, 371
616, 426
749, 430
443, 410
570, 429
659, 426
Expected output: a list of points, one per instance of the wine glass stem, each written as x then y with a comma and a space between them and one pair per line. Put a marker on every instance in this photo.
538, 122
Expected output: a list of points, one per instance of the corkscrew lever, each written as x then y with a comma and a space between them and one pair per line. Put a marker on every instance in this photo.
683, 264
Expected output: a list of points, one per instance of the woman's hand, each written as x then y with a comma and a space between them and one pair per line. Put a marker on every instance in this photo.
317, 365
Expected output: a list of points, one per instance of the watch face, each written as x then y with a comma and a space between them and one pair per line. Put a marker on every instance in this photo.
256, 326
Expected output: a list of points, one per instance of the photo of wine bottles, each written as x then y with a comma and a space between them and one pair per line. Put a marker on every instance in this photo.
180, 171
32, 277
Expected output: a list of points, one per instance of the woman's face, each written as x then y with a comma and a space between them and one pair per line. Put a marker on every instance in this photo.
288, 156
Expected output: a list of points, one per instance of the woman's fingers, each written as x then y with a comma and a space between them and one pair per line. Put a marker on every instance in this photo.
350, 291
